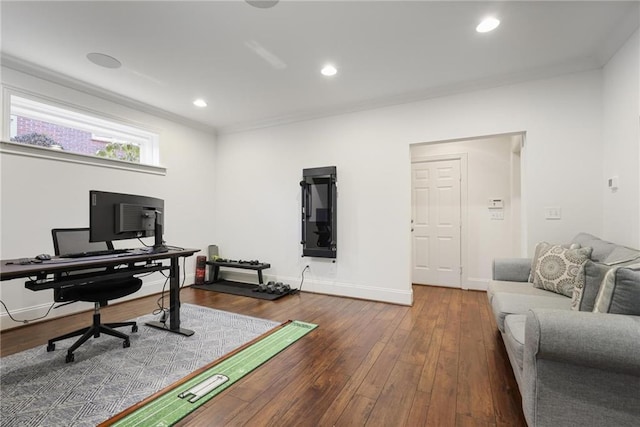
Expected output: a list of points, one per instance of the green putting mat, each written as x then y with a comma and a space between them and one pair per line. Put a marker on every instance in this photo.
176, 403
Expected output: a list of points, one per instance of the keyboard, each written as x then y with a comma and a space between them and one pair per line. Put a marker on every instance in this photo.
96, 253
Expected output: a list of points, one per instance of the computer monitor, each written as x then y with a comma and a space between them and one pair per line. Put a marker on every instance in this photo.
116, 216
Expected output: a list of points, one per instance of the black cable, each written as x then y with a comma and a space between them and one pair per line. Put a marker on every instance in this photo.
302, 280
26, 320
173, 248
160, 302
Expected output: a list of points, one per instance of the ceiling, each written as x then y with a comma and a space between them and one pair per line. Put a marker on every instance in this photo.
261, 66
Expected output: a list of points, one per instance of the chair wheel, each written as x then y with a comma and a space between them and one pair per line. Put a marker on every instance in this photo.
70, 358
51, 347
134, 328
126, 343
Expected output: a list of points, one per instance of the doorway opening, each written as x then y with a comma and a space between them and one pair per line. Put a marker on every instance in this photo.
466, 208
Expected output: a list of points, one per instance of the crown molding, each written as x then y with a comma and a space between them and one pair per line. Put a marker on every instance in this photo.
575, 65
38, 71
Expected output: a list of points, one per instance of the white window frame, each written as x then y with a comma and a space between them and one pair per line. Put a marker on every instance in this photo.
35, 107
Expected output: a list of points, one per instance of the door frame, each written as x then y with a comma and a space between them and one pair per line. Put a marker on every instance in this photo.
462, 157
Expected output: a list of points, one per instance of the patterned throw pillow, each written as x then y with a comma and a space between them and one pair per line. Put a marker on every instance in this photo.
557, 269
542, 247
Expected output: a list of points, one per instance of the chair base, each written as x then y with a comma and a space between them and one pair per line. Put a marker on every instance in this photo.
93, 331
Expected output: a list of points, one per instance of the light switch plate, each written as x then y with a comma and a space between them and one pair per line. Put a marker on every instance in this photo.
552, 212
496, 214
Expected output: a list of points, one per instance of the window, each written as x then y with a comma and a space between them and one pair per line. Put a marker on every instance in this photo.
34, 122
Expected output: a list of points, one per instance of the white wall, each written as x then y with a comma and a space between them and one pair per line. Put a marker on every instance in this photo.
488, 176
258, 172
244, 195
621, 134
40, 194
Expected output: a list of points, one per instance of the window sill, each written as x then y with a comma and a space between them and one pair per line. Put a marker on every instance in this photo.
15, 149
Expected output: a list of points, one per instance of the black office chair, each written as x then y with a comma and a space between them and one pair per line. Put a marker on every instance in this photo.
73, 240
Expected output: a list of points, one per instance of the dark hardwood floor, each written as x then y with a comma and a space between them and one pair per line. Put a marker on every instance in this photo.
438, 363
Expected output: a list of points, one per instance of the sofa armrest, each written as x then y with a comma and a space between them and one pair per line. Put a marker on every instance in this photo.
511, 269
595, 340
581, 368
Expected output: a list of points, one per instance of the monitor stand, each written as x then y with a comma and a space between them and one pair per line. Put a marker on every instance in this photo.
158, 246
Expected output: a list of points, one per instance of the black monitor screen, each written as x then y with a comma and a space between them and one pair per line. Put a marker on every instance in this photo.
115, 216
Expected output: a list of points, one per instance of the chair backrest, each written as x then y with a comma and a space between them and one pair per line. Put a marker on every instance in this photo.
73, 240
70, 241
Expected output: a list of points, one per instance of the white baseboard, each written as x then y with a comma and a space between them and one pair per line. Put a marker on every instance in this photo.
477, 284
327, 287
38, 311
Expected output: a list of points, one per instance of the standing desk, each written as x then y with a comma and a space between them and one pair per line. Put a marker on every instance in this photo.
48, 275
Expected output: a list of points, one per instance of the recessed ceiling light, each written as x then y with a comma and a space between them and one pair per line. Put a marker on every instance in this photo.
104, 60
328, 70
488, 24
262, 4
200, 103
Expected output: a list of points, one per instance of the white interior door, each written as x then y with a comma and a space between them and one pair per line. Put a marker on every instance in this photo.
436, 222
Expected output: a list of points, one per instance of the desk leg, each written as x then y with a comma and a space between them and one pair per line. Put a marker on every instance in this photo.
174, 303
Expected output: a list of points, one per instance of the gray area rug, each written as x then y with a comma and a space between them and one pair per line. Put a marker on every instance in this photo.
40, 389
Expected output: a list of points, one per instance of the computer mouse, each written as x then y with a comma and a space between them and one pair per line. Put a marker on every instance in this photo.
43, 257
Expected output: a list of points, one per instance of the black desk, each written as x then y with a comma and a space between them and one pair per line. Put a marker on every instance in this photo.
214, 268
41, 275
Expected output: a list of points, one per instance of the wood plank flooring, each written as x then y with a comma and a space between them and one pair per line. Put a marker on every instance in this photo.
438, 363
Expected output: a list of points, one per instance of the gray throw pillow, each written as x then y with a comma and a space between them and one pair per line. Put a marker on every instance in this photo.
587, 287
620, 291
557, 269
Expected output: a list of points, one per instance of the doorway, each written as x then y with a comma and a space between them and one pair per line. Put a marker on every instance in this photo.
455, 236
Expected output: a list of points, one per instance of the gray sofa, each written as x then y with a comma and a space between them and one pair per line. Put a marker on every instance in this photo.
574, 367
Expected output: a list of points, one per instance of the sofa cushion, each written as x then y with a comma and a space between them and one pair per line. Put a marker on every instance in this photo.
514, 335
505, 303
586, 290
601, 248
620, 291
557, 269
511, 269
621, 254
522, 288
